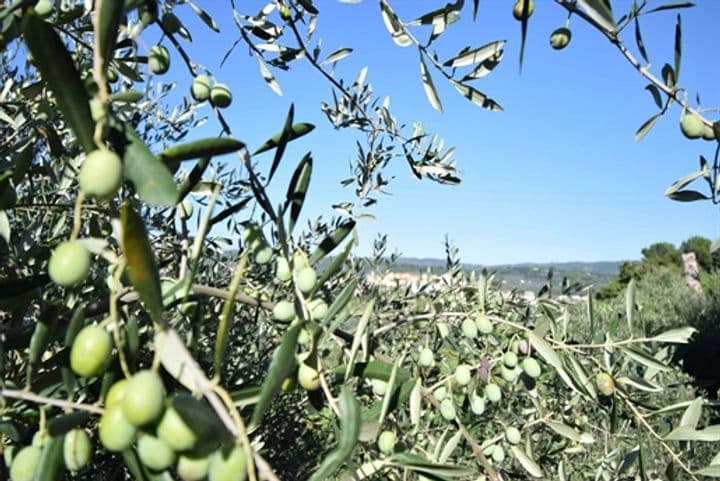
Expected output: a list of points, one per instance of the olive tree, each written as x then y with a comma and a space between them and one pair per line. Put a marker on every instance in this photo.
139, 342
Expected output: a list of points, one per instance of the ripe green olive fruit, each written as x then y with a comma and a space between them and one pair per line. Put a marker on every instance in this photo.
440, 393
44, 8
159, 59
386, 442
477, 403
116, 393
426, 357
192, 469
200, 88
531, 367
498, 454
560, 38
100, 174
38, 439
605, 384
220, 95
318, 309
175, 432
228, 466
708, 133
282, 269
379, 387
510, 359
69, 264
509, 374
493, 392
512, 434
300, 260
463, 374
90, 351
155, 453
692, 126
25, 463
487, 450
284, 311
308, 377
144, 398
519, 6
76, 449
306, 279
284, 12
9, 455
447, 409
263, 255
469, 328
116, 433
484, 325
288, 384
112, 75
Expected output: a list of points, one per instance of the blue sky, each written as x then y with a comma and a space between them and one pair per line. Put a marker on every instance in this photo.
557, 176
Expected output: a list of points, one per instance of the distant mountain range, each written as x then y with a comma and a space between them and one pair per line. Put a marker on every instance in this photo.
524, 276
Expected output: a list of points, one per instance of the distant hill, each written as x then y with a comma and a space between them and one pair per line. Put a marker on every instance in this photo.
525, 276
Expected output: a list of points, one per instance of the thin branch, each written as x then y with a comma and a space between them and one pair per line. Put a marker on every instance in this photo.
37, 399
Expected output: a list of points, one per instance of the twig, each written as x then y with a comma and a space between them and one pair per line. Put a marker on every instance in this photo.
35, 398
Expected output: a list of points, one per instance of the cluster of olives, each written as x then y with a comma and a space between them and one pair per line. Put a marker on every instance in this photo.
255, 241
693, 127
77, 449
203, 89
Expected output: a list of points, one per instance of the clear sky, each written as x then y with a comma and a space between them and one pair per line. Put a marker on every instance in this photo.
557, 176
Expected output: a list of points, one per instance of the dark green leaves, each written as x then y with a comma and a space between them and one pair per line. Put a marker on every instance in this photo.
297, 189
348, 436
333, 240
476, 97
282, 365
142, 268
50, 466
152, 179
600, 13
59, 73
476, 55
201, 148
107, 24
297, 131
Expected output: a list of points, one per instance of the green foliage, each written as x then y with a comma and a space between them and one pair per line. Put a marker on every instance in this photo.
661, 254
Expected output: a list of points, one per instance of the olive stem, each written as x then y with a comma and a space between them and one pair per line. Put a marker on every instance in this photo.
242, 430
221, 338
113, 317
77, 216
35, 398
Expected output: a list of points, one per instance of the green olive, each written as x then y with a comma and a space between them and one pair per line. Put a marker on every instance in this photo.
477, 404
228, 466
469, 328
116, 433
220, 95
508, 374
519, 6
69, 264
90, 353
200, 88
25, 463
692, 126
155, 453
463, 374
306, 279
560, 38
116, 393
440, 393
284, 311
282, 269
144, 398
192, 469
159, 59
510, 359
308, 377
447, 409
76, 449
708, 133
493, 393
386, 442
175, 432
101, 174
531, 367
9, 454
498, 454
426, 357
263, 254
512, 434
44, 8
484, 325
605, 384
112, 75
379, 387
